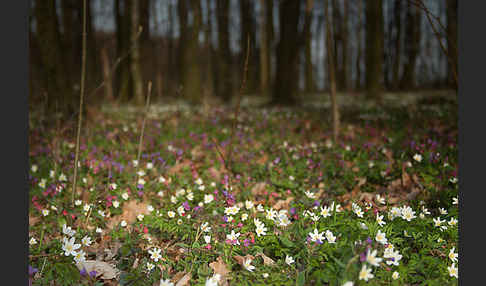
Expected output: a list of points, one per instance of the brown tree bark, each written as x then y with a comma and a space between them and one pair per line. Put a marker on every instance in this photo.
397, 15
264, 50
332, 78
248, 29
345, 71
412, 45
374, 49
61, 96
452, 40
189, 49
225, 83
136, 72
359, 55
123, 81
309, 77
287, 53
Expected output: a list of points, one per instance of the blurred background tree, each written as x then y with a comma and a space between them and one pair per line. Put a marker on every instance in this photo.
195, 49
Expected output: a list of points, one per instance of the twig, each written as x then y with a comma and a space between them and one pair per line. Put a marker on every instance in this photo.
83, 76
429, 15
144, 120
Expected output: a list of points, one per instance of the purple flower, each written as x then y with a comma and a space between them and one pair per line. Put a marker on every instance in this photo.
186, 206
92, 274
292, 211
140, 186
32, 270
316, 203
276, 161
362, 257
83, 272
369, 241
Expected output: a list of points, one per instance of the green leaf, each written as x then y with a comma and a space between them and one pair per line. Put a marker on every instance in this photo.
286, 242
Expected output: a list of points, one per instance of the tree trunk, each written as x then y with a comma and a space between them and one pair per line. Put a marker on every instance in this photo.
106, 75
287, 53
225, 85
189, 49
452, 40
123, 85
331, 71
61, 97
264, 50
412, 45
360, 49
345, 49
309, 78
135, 55
398, 32
374, 49
248, 30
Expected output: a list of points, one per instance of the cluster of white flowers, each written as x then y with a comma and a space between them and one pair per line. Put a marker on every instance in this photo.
70, 247
357, 210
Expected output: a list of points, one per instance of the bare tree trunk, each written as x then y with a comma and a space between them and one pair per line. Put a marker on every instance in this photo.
248, 30
360, 49
452, 39
225, 85
123, 86
412, 45
345, 76
332, 78
374, 48
309, 78
106, 75
48, 35
135, 55
398, 32
287, 53
264, 55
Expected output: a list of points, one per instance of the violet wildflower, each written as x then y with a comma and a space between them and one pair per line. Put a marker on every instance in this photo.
32, 270
92, 274
83, 272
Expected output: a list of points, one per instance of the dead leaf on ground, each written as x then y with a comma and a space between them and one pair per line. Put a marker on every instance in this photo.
241, 259
283, 204
259, 189
219, 267
33, 220
178, 276
130, 211
266, 260
103, 269
184, 280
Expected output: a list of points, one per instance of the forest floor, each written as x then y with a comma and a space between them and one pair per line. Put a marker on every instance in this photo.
287, 206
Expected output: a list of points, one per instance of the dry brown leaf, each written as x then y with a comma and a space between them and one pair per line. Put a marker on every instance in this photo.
241, 259
283, 204
219, 267
103, 269
130, 211
259, 189
178, 276
266, 260
361, 181
33, 220
184, 280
